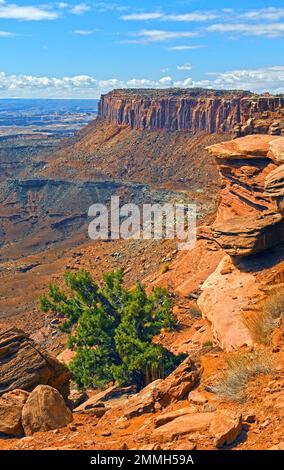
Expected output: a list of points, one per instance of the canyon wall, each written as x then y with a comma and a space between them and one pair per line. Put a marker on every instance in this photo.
192, 110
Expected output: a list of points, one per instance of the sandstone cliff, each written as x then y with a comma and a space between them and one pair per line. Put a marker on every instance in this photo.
191, 109
238, 260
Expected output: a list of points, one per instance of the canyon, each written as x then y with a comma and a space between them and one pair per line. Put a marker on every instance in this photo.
155, 146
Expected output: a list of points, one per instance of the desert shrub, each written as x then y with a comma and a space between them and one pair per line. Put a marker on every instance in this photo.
195, 311
165, 268
262, 324
241, 367
111, 329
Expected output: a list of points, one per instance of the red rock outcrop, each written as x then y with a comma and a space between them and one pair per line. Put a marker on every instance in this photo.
189, 109
248, 220
24, 365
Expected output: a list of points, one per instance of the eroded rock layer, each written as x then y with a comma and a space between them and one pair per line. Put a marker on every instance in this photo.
190, 109
248, 219
24, 365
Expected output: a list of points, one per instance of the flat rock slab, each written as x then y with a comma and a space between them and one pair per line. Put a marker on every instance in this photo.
250, 147
188, 424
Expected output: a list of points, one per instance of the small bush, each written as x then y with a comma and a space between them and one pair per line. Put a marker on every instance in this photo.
111, 329
165, 268
262, 324
241, 368
208, 345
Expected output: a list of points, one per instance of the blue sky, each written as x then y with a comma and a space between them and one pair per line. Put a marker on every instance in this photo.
82, 49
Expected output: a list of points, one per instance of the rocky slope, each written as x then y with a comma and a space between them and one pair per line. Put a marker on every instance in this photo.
188, 110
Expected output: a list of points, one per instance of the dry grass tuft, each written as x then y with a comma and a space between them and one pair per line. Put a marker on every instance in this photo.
262, 324
195, 311
242, 367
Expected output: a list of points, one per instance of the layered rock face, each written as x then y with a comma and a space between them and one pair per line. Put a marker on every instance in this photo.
249, 222
191, 109
24, 365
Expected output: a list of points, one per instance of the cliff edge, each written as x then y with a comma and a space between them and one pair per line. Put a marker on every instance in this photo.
213, 111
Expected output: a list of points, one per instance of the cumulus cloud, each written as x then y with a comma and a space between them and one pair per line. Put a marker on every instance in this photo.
85, 86
259, 80
13, 11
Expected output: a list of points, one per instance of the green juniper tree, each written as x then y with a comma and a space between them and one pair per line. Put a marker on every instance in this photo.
111, 329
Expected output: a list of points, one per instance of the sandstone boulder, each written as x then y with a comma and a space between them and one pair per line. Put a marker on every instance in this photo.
276, 151
165, 418
244, 236
108, 395
274, 183
225, 428
187, 424
11, 405
197, 398
76, 398
44, 410
178, 384
24, 365
143, 402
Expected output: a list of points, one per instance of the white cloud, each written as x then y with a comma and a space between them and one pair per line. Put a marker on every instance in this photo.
25, 13
6, 34
80, 9
194, 16
85, 32
187, 67
259, 80
261, 29
146, 36
85, 86
185, 48
166, 81
270, 14
103, 7
142, 16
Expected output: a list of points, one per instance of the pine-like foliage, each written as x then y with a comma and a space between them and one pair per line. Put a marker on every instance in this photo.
111, 329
